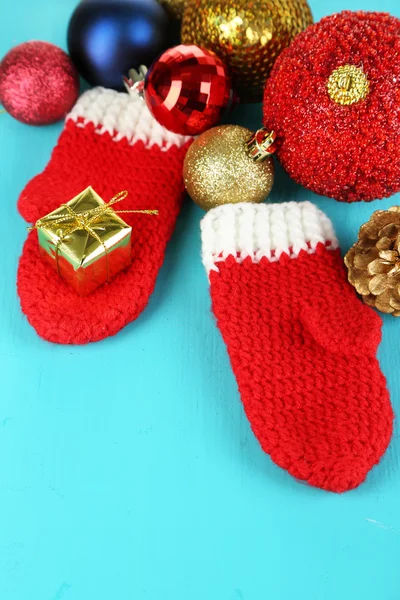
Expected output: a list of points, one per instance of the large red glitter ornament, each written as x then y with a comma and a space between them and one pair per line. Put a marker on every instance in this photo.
187, 89
333, 100
38, 83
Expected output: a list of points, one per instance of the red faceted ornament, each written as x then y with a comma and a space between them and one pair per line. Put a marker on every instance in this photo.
187, 89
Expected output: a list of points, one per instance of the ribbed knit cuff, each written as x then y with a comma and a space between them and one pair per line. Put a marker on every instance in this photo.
122, 116
263, 230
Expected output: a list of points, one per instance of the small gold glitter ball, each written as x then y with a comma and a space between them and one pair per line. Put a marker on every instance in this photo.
218, 170
174, 7
247, 36
348, 84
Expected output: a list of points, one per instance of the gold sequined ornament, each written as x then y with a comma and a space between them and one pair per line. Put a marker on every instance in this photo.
229, 164
248, 36
174, 7
374, 261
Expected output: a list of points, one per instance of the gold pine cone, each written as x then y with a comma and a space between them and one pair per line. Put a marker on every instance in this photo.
374, 261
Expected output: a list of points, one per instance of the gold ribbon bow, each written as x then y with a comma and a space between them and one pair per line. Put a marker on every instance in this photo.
85, 220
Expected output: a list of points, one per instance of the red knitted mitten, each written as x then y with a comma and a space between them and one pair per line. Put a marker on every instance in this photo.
302, 345
111, 142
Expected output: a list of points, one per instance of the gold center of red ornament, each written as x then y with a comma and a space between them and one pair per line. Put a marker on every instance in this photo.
348, 84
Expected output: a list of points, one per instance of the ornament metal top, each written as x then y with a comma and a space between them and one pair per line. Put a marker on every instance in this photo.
261, 144
134, 83
348, 84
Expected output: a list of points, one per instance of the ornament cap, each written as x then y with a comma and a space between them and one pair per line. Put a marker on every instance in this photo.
348, 84
261, 144
134, 83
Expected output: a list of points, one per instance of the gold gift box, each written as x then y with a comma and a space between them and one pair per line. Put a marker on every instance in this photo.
85, 241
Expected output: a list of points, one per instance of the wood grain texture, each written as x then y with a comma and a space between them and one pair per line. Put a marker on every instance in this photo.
128, 469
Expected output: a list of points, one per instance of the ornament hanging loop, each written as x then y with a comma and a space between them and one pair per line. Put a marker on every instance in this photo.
348, 84
134, 83
261, 145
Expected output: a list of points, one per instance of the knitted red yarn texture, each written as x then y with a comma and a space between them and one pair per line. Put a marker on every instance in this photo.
352, 152
303, 350
153, 178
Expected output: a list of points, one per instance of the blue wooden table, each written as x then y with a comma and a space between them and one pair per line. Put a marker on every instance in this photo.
127, 468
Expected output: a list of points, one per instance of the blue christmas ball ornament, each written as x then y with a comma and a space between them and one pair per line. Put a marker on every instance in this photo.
106, 38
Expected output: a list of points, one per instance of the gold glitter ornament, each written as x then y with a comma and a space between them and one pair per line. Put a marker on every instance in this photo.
174, 7
348, 84
219, 170
247, 36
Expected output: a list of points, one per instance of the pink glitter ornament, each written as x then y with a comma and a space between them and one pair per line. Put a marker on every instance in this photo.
187, 89
38, 83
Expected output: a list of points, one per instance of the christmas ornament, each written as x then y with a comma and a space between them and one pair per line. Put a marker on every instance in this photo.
332, 99
175, 7
301, 344
107, 38
38, 83
112, 142
223, 166
374, 261
86, 241
248, 36
187, 89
